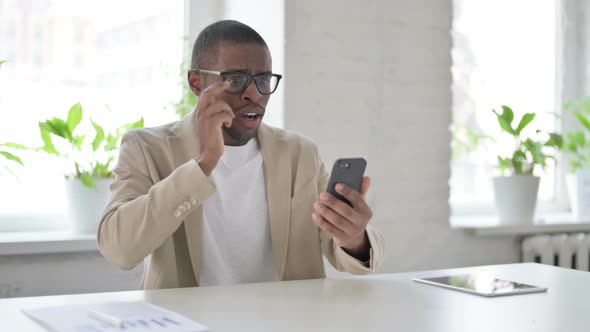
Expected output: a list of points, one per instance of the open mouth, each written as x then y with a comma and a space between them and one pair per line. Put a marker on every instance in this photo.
250, 116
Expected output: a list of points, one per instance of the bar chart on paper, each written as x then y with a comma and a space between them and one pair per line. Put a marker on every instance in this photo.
112, 316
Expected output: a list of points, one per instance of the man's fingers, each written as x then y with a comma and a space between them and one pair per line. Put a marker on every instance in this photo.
324, 225
357, 200
216, 88
222, 118
365, 185
338, 206
215, 108
333, 218
210, 93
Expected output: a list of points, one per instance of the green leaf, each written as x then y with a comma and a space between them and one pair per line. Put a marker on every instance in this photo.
536, 152
524, 121
134, 125
102, 170
581, 105
138, 124
507, 113
108, 173
519, 160
11, 157
111, 144
505, 119
575, 139
99, 138
77, 141
87, 180
555, 140
46, 137
15, 146
504, 164
74, 117
583, 120
113, 139
58, 127
465, 139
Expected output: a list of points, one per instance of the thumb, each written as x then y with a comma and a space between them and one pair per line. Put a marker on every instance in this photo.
365, 185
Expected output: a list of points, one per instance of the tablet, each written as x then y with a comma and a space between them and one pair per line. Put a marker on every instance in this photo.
483, 285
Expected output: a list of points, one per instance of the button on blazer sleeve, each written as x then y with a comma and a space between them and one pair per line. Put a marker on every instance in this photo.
142, 212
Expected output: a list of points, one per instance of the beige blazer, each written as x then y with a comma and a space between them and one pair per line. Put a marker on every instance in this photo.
154, 211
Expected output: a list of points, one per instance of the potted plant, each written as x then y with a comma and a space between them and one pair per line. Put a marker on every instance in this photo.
577, 147
515, 191
90, 163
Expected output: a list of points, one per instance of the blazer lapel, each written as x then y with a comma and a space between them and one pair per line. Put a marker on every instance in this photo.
277, 174
184, 145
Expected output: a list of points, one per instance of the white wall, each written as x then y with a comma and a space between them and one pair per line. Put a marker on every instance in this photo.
372, 79
67, 273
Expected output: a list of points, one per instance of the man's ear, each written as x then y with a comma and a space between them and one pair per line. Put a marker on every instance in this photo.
195, 82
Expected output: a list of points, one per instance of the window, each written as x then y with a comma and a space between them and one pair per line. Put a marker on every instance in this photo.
504, 53
124, 54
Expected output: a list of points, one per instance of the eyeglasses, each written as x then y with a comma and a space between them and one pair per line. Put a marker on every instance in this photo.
266, 84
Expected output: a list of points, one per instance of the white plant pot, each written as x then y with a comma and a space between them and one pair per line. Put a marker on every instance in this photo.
86, 204
516, 198
578, 189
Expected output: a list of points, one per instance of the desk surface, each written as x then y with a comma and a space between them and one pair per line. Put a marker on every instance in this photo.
385, 302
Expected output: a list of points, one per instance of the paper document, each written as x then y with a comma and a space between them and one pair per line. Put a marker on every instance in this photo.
112, 316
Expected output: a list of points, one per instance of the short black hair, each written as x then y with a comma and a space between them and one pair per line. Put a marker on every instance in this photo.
226, 30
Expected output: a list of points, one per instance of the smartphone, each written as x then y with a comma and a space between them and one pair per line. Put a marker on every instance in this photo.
348, 171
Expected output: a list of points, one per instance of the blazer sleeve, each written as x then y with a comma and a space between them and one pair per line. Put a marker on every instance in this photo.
341, 260
140, 214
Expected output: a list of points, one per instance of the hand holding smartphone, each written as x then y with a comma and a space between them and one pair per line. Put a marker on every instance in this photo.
348, 171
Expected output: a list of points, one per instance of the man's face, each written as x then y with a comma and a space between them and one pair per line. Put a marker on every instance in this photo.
250, 58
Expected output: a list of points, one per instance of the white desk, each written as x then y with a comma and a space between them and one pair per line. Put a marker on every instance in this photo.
387, 302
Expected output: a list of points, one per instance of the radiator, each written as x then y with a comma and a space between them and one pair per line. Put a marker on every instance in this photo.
564, 250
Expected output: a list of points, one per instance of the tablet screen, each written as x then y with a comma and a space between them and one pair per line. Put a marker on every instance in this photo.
481, 284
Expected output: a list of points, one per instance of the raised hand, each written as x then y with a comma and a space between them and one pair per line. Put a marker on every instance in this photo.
344, 223
212, 113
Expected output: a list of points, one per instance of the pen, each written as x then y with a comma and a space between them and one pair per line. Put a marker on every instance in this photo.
106, 318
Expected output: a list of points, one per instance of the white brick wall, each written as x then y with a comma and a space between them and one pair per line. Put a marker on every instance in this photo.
373, 79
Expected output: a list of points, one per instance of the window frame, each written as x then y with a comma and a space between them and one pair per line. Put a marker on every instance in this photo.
567, 78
